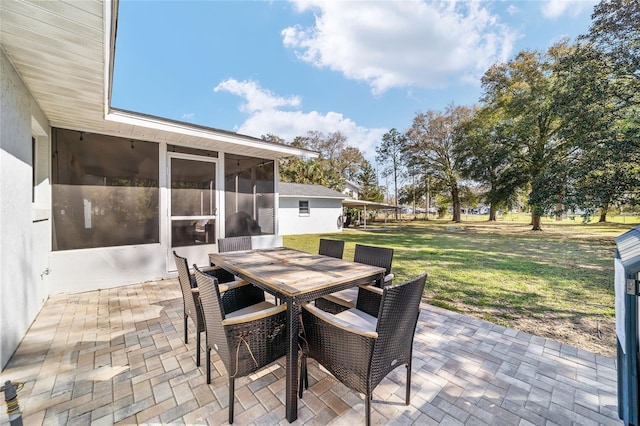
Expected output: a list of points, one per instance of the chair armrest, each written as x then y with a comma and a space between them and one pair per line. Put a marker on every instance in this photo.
337, 322
208, 269
338, 301
232, 285
253, 316
371, 288
221, 274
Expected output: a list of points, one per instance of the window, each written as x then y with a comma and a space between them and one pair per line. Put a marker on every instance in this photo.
105, 191
249, 196
303, 208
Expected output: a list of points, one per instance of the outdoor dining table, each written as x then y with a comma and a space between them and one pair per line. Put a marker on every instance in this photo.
294, 276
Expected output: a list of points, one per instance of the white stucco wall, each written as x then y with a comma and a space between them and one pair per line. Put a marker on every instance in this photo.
74, 271
22, 241
323, 216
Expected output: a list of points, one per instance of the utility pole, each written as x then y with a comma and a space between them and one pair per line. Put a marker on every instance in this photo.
428, 200
413, 186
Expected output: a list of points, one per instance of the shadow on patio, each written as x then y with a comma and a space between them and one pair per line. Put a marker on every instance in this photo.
118, 356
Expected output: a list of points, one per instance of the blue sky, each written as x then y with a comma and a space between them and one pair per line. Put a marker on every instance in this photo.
289, 67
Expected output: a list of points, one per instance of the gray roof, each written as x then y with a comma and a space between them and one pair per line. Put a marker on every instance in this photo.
288, 189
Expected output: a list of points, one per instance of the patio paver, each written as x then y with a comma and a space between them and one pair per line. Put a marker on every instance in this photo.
117, 356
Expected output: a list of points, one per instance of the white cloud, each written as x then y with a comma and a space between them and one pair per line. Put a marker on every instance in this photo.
189, 116
257, 99
267, 117
289, 124
552, 9
401, 44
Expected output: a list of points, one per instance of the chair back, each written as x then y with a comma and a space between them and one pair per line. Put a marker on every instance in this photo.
191, 308
397, 319
246, 346
333, 248
234, 244
213, 314
374, 256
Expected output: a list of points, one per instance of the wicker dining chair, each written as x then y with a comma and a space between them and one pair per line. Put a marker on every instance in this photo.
247, 336
371, 255
375, 256
333, 248
190, 304
234, 244
360, 346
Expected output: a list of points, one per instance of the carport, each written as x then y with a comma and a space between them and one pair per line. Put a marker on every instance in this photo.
371, 205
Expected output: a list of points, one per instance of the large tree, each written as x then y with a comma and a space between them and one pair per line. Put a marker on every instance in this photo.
603, 162
391, 154
599, 97
296, 169
522, 92
368, 181
615, 35
483, 149
339, 160
431, 146
336, 162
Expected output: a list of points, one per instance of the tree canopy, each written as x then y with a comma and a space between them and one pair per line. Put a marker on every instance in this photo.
561, 125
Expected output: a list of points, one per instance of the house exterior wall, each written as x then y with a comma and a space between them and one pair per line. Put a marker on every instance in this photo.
24, 225
75, 271
351, 190
324, 215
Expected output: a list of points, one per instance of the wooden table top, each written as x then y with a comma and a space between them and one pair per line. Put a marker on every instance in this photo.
293, 272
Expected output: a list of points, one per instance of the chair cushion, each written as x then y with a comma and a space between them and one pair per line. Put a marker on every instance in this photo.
358, 319
250, 309
348, 324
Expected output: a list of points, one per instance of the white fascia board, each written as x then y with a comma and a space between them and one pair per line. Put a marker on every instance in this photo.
185, 129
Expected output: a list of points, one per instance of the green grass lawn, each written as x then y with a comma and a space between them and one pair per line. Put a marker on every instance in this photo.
557, 283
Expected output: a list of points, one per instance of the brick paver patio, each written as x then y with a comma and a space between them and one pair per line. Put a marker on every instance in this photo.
117, 356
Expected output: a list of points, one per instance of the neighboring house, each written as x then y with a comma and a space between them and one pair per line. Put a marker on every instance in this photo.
352, 190
94, 197
309, 209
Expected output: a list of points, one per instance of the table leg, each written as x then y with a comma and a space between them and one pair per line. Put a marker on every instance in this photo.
293, 312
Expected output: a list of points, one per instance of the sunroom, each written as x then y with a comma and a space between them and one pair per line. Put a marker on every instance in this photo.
121, 206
